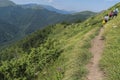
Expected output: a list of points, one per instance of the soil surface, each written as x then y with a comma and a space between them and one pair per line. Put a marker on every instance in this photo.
93, 67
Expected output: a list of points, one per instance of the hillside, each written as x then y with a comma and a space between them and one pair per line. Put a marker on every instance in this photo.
51, 49
62, 51
5, 3
110, 58
45, 48
7, 31
28, 20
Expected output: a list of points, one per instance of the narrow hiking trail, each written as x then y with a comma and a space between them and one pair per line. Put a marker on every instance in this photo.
93, 66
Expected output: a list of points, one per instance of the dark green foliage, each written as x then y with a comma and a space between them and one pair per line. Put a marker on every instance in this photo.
23, 60
78, 21
65, 23
26, 66
35, 39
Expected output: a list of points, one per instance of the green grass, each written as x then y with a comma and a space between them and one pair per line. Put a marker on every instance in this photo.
61, 52
110, 61
75, 41
78, 56
61, 56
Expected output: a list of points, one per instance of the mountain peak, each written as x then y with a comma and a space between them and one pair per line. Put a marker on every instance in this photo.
4, 3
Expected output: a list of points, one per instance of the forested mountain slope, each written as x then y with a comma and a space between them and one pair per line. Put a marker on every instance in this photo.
28, 20
7, 31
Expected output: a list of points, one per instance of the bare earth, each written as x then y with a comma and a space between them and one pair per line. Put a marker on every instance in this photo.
93, 67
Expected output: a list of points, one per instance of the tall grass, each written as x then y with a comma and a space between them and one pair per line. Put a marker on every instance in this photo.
75, 41
110, 61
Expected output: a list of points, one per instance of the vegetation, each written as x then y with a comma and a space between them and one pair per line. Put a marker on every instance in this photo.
35, 56
7, 31
28, 20
110, 59
52, 48
61, 51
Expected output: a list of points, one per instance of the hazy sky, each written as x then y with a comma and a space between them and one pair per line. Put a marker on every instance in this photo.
73, 5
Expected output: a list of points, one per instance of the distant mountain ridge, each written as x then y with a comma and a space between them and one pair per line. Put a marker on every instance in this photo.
4, 3
50, 8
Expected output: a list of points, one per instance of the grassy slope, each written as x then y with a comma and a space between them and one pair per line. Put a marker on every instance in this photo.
110, 62
71, 63
75, 40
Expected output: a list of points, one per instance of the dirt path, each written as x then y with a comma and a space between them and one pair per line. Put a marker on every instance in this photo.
93, 66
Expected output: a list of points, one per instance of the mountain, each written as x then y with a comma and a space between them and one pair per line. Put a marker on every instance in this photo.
50, 8
85, 13
4, 3
27, 20
7, 31
61, 51
27, 17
